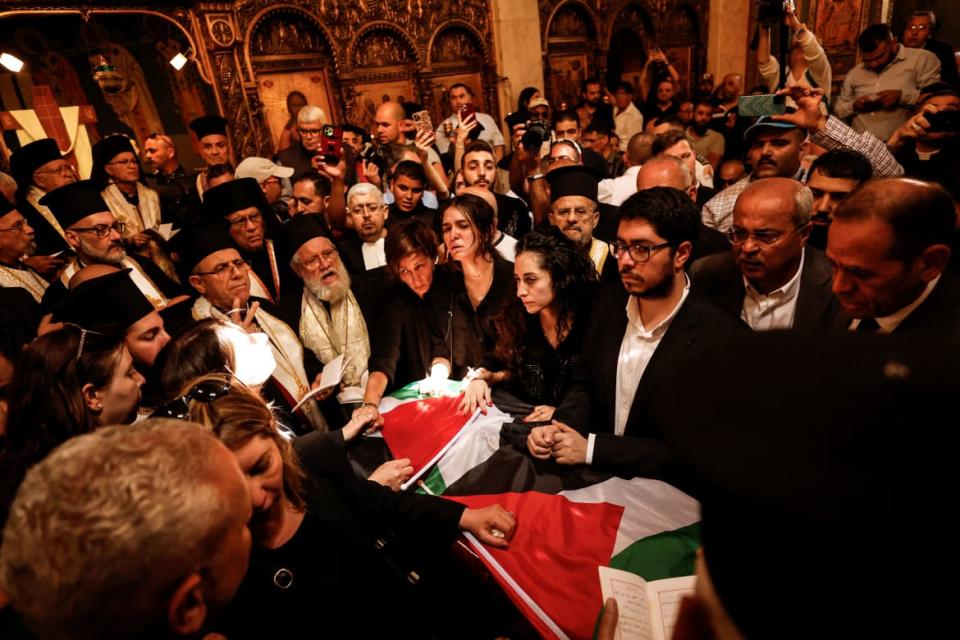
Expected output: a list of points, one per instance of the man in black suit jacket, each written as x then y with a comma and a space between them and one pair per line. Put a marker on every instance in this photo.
889, 245
642, 329
770, 279
361, 250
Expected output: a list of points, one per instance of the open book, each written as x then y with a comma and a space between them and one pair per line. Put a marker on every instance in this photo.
331, 376
648, 610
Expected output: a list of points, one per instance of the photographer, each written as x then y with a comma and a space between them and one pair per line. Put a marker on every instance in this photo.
461, 103
926, 144
807, 64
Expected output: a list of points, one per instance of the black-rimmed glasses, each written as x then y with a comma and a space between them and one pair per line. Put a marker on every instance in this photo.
637, 252
102, 230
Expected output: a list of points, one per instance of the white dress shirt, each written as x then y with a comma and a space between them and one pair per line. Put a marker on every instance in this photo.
774, 310
636, 350
628, 122
615, 190
373, 254
889, 323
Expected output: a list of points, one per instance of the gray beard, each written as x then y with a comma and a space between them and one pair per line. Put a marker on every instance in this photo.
333, 293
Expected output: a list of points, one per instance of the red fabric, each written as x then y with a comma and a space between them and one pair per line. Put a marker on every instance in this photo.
554, 555
420, 429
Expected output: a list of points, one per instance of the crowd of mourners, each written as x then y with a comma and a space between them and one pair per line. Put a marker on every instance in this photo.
162, 470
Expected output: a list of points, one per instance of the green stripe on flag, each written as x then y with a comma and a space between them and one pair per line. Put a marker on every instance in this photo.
434, 482
669, 554
412, 390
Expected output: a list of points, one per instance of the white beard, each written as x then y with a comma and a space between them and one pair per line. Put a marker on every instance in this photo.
332, 293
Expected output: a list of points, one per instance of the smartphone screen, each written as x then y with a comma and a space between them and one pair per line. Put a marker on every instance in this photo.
762, 105
331, 144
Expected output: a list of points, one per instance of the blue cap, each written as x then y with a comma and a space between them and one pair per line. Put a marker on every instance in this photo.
764, 122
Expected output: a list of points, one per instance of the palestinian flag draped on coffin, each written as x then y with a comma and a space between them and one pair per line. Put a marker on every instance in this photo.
570, 520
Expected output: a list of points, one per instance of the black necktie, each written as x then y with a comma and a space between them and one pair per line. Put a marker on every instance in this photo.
868, 325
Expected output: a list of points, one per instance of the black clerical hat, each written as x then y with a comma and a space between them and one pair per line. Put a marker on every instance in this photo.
30, 157
110, 147
208, 125
196, 242
73, 202
232, 196
5, 205
573, 181
297, 231
109, 303
818, 460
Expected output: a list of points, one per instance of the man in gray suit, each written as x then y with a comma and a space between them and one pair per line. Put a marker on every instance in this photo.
770, 279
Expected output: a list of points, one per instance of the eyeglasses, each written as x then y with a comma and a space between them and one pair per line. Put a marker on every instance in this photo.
369, 207
739, 236
225, 269
128, 161
205, 392
65, 170
309, 133
328, 256
580, 212
16, 226
242, 222
918, 27
637, 252
102, 230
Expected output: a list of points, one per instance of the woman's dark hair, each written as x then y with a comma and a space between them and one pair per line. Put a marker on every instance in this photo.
409, 237
525, 97
46, 405
480, 216
196, 352
573, 278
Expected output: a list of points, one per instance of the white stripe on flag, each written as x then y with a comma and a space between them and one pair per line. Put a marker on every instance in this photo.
440, 453
540, 613
473, 448
650, 507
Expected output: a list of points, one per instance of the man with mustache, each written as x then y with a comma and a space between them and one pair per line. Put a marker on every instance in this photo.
242, 204
575, 210
211, 132
592, 108
480, 170
326, 313
96, 237
770, 279
219, 274
706, 142
642, 329
362, 248
22, 287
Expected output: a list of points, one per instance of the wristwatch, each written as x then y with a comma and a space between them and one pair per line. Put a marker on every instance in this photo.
535, 177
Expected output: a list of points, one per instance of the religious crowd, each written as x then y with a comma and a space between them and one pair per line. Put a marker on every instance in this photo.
604, 272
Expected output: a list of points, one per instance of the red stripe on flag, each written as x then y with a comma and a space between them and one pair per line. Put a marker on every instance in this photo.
420, 429
554, 555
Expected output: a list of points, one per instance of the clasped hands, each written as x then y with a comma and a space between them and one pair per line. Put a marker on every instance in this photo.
559, 441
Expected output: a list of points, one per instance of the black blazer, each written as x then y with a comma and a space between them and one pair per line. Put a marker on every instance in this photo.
938, 317
590, 406
719, 281
368, 286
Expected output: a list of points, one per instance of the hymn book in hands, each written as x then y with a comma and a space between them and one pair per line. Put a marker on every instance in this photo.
647, 610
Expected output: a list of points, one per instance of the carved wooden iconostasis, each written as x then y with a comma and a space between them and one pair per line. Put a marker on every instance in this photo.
611, 40
137, 93
248, 56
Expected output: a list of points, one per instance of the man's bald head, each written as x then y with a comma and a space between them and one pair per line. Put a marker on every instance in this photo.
639, 149
387, 122
792, 198
486, 194
664, 171
90, 273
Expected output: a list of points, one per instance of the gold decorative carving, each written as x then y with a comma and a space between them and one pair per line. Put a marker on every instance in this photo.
380, 48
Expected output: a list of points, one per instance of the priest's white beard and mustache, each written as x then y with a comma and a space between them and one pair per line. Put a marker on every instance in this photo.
329, 293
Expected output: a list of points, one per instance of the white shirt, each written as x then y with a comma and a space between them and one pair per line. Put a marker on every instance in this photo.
774, 310
615, 190
490, 134
628, 123
506, 246
889, 323
373, 254
636, 350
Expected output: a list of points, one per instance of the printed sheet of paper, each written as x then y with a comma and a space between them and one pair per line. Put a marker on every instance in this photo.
630, 592
665, 596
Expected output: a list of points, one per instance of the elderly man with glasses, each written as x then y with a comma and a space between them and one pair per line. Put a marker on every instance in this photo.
96, 237
39, 168
771, 279
648, 326
22, 287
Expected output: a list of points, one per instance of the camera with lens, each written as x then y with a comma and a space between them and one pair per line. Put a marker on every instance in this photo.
537, 132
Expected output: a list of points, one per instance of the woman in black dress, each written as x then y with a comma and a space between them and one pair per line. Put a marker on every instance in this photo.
314, 566
540, 334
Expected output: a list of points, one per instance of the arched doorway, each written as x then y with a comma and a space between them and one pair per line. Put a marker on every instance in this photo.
631, 40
